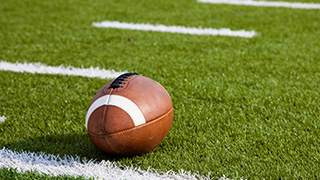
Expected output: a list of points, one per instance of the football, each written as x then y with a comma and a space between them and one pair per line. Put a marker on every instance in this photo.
130, 115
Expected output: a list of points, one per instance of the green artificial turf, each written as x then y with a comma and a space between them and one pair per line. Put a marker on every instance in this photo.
13, 174
243, 107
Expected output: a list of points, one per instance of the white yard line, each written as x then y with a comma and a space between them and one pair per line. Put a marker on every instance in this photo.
295, 5
175, 29
63, 70
2, 119
53, 165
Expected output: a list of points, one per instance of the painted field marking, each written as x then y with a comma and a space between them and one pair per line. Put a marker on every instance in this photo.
69, 70
175, 29
53, 165
295, 5
2, 119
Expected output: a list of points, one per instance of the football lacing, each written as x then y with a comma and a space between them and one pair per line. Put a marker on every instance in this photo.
120, 80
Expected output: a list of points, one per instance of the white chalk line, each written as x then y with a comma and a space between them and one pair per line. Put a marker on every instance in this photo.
296, 5
62, 70
175, 29
53, 165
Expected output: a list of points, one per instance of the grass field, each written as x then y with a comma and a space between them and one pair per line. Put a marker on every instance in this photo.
244, 107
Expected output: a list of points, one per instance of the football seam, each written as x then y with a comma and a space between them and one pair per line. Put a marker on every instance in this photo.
105, 115
136, 127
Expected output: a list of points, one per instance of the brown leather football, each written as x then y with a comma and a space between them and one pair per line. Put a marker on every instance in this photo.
129, 116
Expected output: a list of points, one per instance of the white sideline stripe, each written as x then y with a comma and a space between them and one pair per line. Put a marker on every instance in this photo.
119, 101
69, 70
295, 5
175, 29
72, 166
